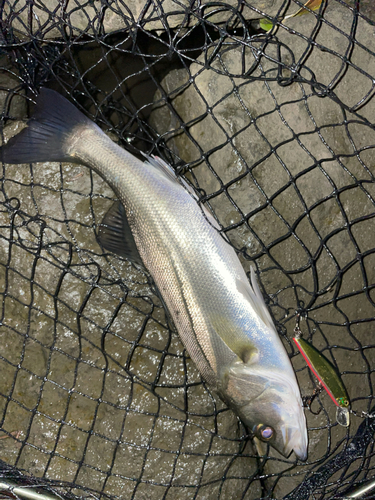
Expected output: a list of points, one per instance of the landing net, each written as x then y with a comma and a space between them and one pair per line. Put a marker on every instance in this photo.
274, 126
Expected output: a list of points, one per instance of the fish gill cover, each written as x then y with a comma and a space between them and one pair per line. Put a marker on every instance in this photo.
275, 130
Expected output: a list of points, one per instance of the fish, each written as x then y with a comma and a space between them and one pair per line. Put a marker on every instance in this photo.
157, 223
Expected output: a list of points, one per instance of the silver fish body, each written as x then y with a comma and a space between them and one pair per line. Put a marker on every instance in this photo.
221, 319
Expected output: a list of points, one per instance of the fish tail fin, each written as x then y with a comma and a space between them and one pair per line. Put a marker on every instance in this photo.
49, 131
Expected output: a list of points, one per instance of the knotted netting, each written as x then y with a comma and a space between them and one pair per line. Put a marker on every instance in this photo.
275, 129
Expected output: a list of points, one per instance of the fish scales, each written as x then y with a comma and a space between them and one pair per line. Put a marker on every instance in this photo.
221, 319
193, 249
183, 253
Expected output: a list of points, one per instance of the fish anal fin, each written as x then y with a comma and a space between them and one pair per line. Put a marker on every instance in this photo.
115, 234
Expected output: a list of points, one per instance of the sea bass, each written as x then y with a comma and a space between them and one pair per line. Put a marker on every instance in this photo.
221, 318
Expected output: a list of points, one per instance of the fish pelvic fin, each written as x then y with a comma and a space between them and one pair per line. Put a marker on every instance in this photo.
49, 134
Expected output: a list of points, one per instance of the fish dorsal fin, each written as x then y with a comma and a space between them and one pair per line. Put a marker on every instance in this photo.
115, 234
166, 169
160, 165
211, 219
255, 297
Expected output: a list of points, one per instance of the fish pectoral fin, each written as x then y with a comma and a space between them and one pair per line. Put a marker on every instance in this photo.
255, 298
115, 234
249, 355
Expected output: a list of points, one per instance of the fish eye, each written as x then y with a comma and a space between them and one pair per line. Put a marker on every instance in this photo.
264, 432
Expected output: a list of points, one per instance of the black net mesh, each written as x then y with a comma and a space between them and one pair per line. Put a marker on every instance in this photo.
98, 397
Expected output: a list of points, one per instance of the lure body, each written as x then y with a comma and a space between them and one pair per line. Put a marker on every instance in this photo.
324, 372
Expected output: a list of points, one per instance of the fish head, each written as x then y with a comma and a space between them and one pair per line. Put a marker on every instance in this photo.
269, 404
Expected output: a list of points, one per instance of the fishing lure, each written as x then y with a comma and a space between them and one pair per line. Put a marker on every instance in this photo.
327, 376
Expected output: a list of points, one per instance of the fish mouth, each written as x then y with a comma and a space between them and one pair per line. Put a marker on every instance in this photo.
299, 451
295, 440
